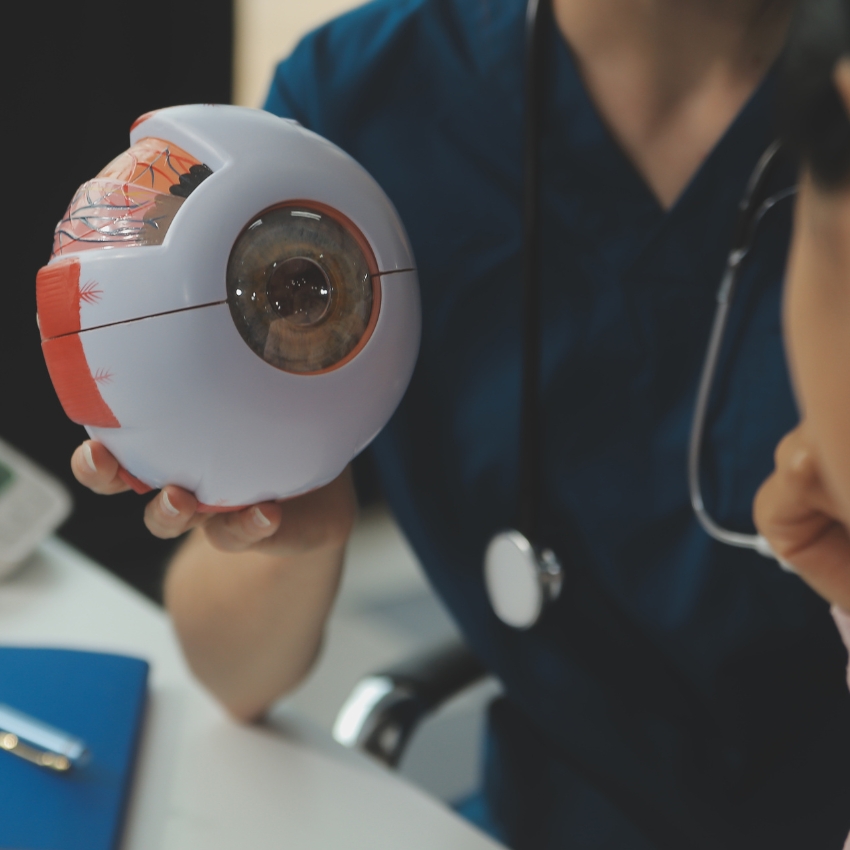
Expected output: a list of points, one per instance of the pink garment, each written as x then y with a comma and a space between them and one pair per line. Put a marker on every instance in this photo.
842, 620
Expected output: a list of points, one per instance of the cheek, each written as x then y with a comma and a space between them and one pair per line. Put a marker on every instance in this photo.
797, 320
817, 333
831, 400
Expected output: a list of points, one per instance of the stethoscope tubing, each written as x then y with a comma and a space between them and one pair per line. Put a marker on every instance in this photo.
517, 567
753, 207
530, 480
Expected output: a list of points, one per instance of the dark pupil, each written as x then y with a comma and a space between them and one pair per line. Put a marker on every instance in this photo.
299, 291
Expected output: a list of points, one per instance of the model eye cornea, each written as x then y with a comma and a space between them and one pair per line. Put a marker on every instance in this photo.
301, 288
299, 291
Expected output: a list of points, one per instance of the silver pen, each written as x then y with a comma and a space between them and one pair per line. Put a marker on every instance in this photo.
39, 743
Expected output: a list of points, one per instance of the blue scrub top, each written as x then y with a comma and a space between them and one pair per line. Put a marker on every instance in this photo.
680, 694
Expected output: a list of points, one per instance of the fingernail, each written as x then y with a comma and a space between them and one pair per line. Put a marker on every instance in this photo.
88, 456
260, 519
167, 506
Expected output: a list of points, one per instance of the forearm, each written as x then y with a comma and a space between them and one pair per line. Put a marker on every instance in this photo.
250, 623
250, 591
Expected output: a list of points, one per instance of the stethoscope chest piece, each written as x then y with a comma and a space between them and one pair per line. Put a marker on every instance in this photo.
520, 581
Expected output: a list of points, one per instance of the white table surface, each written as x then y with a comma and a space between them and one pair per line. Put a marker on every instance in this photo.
202, 780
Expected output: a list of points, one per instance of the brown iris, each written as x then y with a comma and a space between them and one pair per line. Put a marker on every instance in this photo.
300, 288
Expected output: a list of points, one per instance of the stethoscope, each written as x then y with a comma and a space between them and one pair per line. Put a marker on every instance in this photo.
521, 576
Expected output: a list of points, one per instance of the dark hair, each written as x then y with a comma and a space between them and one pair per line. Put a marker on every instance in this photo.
814, 120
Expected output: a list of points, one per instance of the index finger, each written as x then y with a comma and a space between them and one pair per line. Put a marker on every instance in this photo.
172, 513
95, 467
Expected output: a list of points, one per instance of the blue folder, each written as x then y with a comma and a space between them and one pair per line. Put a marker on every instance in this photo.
97, 697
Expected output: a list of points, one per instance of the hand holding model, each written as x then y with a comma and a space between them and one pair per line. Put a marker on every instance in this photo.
231, 310
290, 527
248, 591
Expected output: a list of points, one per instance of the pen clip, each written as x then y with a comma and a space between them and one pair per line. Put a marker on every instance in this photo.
39, 743
11, 743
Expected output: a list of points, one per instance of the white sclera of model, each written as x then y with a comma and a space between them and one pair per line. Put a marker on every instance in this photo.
198, 408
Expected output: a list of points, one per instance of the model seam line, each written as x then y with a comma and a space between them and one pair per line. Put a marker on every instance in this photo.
137, 319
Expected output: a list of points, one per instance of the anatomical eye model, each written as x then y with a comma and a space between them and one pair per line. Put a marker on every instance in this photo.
231, 306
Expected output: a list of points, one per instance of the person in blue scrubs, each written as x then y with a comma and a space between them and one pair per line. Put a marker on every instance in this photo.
679, 694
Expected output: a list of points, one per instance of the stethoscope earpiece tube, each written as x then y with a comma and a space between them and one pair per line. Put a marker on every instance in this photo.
530, 426
755, 203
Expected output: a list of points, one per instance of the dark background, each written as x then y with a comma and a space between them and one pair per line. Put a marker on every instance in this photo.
82, 74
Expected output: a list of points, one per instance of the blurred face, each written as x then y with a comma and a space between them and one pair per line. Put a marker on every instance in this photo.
817, 329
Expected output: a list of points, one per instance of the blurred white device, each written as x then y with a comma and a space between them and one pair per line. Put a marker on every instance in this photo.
32, 505
231, 306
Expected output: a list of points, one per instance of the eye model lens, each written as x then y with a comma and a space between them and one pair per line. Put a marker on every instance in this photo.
299, 291
302, 287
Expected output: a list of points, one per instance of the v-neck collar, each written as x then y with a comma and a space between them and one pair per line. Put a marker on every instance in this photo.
581, 153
